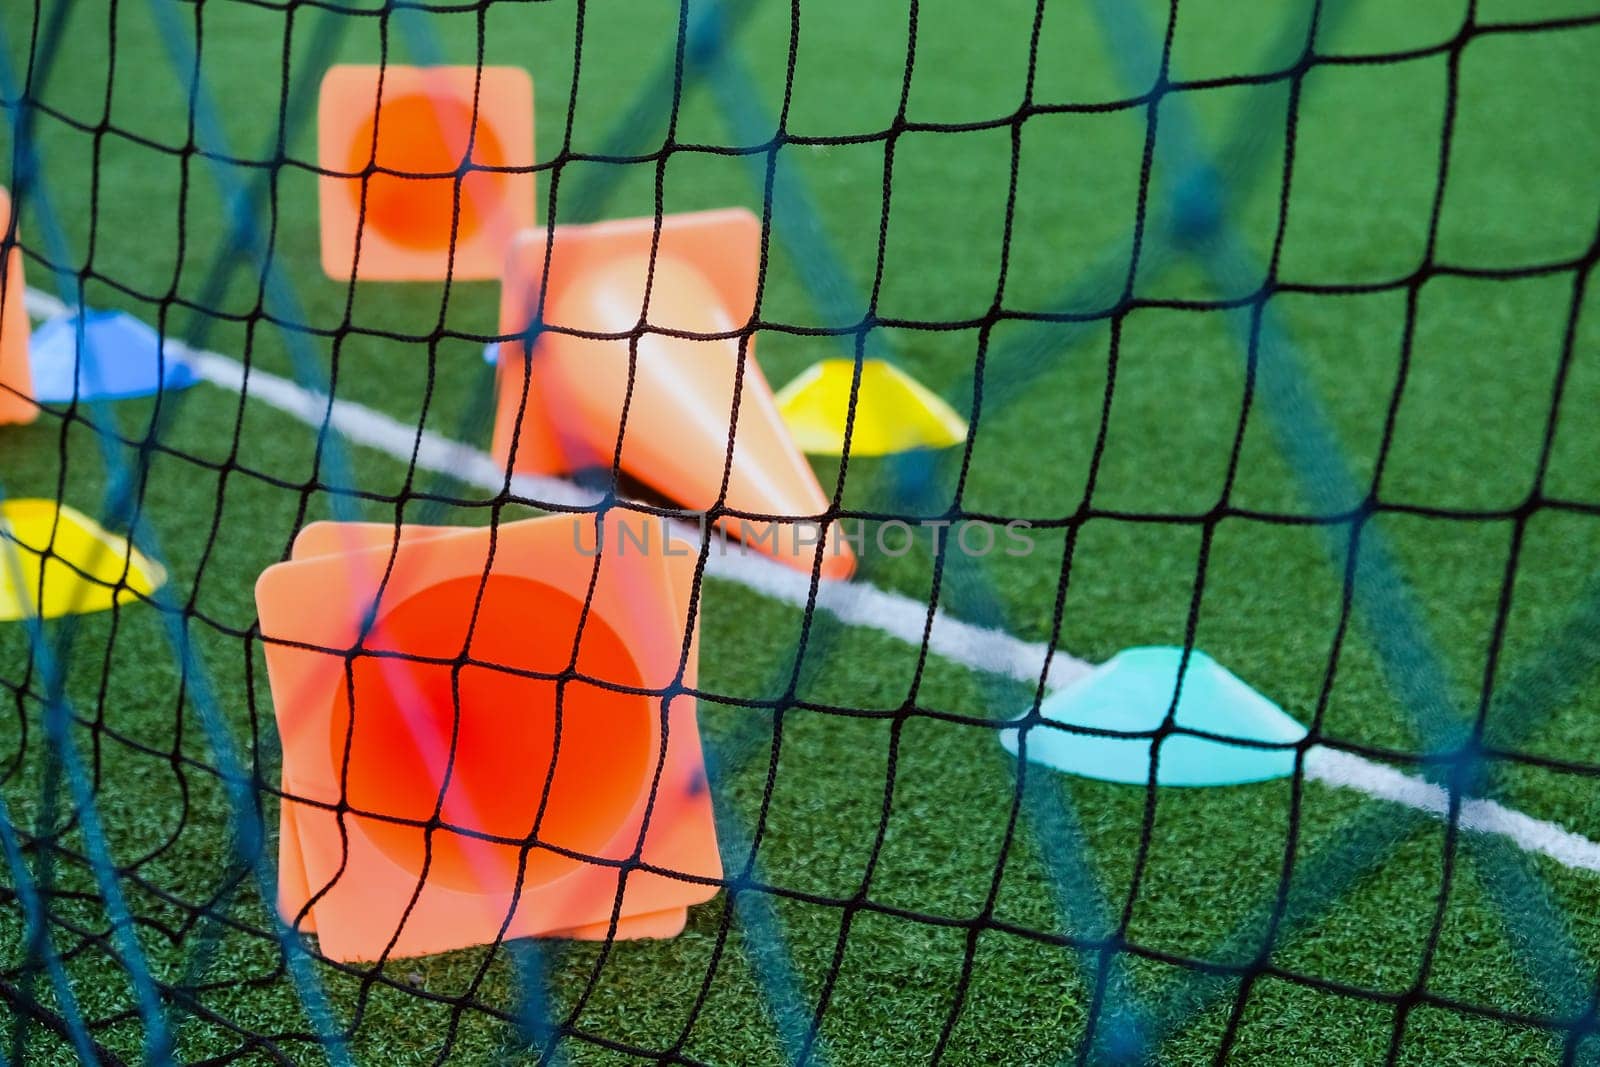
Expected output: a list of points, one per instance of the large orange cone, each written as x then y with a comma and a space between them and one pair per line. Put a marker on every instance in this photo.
546, 692
421, 128
567, 415
16, 381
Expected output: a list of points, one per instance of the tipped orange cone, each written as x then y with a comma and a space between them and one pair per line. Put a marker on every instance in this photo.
422, 127
367, 750
16, 380
681, 399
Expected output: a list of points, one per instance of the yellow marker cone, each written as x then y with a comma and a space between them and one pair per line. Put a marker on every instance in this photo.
83, 569
894, 412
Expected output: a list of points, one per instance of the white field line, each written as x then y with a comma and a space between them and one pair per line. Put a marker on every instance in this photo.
855, 603
1349, 771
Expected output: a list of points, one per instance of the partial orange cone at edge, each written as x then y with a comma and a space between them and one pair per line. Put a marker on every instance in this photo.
16, 378
683, 387
422, 127
527, 619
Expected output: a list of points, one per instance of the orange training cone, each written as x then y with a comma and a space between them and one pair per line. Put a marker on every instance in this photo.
679, 407
16, 381
421, 130
550, 763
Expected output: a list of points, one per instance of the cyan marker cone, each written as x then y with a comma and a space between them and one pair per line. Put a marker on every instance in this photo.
417, 137
1131, 694
566, 416
549, 733
16, 387
122, 357
894, 412
85, 568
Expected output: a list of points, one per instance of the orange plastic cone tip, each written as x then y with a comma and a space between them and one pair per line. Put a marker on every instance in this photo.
418, 134
568, 413
549, 734
16, 382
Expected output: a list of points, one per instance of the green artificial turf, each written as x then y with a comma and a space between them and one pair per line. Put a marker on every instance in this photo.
883, 831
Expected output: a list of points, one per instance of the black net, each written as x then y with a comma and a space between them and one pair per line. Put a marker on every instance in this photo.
1274, 337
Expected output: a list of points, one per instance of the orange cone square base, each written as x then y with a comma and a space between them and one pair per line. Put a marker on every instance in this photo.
16, 379
561, 401
549, 762
422, 128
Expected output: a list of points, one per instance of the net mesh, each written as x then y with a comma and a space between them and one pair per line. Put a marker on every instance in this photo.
1186, 351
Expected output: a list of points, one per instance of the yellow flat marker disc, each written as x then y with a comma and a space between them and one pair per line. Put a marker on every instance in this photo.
894, 412
81, 570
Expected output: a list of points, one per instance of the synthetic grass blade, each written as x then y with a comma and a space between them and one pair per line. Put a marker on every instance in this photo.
1212, 729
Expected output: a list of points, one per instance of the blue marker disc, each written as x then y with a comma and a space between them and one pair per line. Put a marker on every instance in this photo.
121, 358
1132, 693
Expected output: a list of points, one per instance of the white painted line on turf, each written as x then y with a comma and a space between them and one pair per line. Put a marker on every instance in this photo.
1350, 771
855, 603
362, 426
41, 305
